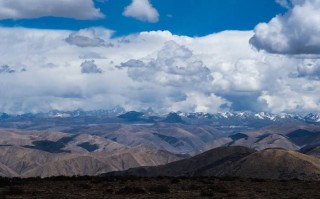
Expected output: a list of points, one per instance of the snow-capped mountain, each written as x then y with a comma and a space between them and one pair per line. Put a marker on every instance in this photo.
312, 118
114, 112
239, 115
220, 118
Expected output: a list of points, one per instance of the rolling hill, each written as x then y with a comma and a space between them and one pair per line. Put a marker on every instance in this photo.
241, 162
18, 161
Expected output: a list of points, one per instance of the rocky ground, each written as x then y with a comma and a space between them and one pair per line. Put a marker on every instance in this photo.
129, 187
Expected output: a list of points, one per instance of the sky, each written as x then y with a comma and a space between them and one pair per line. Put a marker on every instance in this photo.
170, 55
190, 18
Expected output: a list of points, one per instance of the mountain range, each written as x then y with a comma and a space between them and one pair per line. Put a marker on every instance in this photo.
150, 115
103, 141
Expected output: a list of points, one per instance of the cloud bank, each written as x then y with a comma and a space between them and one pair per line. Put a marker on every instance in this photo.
151, 69
142, 10
19, 9
295, 32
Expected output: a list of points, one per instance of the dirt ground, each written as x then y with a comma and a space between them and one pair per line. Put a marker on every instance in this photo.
155, 188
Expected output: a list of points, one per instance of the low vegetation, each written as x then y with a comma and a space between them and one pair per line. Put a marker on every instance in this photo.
158, 187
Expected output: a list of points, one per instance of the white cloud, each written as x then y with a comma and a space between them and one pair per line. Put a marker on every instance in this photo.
89, 67
292, 99
295, 32
91, 55
308, 68
174, 66
187, 79
158, 69
91, 37
142, 10
284, 3
19, 9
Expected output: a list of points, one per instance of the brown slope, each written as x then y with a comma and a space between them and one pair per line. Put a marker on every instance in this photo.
26, 162
124, 159
241, 162
304, 137
7, 172
314, 152
284, 128
275, 164
256, 142
20, 159
266, 141
92, 164
70, 166
33, 162
176, 138
209, 162
91, 143
18, 137
301, 134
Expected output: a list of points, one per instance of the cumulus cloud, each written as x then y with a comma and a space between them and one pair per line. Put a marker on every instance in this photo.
142, 10
174, 65
309, 68
155, 69
291, 99
295, 32
6, 69
91, 37
25, 9
89, 67
176, 68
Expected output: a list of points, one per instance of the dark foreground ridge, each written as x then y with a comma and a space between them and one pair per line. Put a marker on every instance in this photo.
161, 187
237, 161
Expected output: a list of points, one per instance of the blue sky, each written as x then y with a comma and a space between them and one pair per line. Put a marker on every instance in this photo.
170, 55
187, 17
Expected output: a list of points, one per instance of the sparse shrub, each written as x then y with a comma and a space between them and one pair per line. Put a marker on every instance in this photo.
3, 184
2, 196
212, 189
61, 179
207, 192
84, 186
109, 191
219, 189
58, 197
258, 180
232, 195
193, 187
146, 179
159, 189
294, 197
130, 190
183, 178
175, 181
205, 181
160, 178
229, 179
133, 178
97, 180
13, 190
